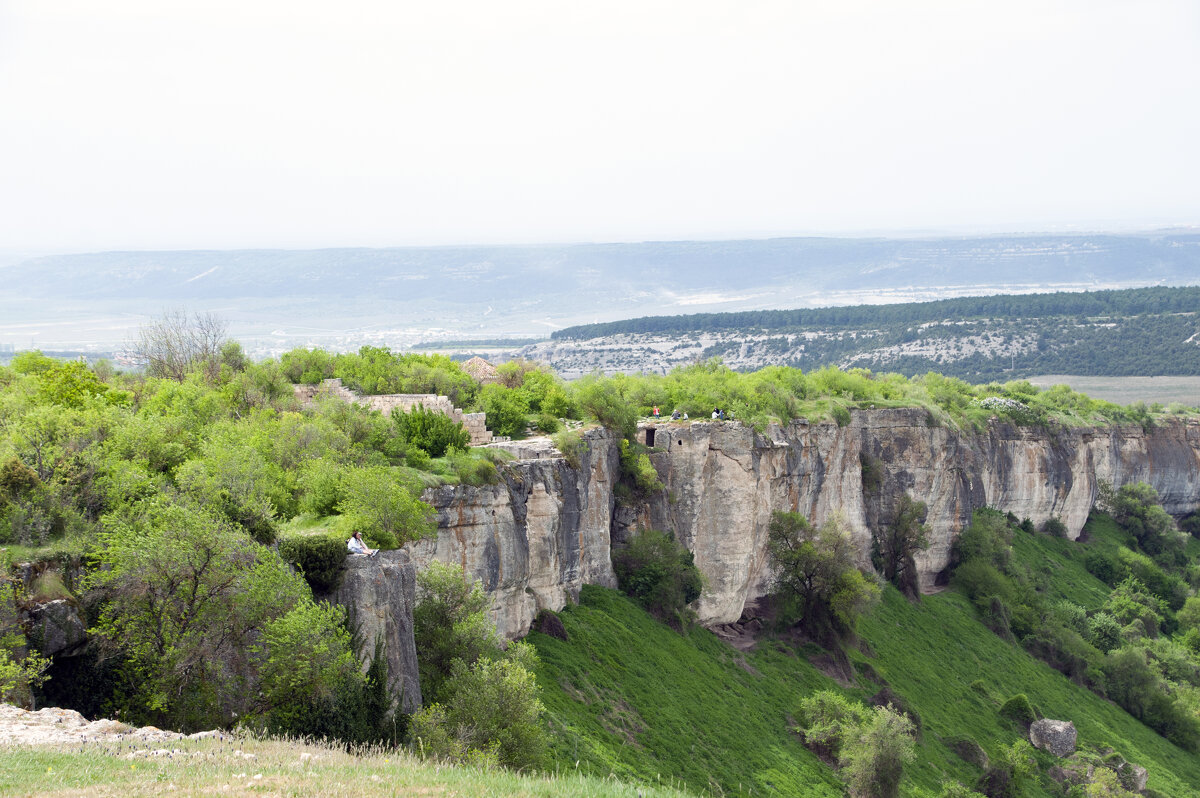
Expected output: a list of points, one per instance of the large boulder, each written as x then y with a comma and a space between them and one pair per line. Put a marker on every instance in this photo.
379, 592
56, 627
1055, 736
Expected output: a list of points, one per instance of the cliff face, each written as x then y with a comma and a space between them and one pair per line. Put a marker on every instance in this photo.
536, 538
724, 480
379, 591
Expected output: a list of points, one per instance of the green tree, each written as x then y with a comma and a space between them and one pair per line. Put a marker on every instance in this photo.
659, 572
507, 410
450, 624
305, 663
816, 581
894, 548
383, 504
186, 595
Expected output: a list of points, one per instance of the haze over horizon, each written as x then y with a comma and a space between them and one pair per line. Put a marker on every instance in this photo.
219, 125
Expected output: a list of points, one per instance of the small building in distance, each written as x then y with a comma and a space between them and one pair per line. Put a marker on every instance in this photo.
481, 371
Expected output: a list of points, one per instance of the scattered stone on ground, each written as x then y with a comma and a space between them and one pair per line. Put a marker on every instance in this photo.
53, 725
1055, 736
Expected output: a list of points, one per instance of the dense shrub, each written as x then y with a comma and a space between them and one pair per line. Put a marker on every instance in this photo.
1137, 509
637, 470
1054, 527
572, 445
492, 715
430, 431
871, 746
1019, 710
319, 557
659, 573
481, 702
507, 411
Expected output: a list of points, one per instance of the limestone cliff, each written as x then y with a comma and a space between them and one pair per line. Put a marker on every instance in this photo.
380, 592
546, 530
724, 480
534, 539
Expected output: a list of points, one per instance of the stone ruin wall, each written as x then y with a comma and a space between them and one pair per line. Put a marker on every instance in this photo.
386, 403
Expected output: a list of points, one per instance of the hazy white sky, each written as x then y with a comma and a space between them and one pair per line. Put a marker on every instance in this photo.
223, 123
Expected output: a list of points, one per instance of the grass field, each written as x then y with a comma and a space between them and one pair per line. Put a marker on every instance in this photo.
1124, 390
271, 767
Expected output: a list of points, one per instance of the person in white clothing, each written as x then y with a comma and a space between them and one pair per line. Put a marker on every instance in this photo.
356, 546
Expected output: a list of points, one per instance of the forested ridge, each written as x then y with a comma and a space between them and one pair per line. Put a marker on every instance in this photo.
1127, 302
1135, 332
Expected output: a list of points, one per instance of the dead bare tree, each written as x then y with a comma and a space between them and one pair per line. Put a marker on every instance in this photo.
176, 344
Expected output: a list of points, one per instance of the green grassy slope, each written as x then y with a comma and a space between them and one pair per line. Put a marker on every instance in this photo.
632, 697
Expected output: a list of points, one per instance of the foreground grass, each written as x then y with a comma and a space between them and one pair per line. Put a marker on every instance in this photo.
270, 767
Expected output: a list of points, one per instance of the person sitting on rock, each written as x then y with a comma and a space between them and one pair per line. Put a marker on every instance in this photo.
356, 546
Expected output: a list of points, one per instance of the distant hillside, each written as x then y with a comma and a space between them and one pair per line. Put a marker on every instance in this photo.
342, 298
1134, 332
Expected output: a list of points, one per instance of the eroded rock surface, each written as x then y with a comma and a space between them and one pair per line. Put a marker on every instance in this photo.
57, 627
52, 725
536, 538
724, 480
380, 592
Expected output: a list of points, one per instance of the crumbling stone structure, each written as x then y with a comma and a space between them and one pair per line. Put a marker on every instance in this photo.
386, 403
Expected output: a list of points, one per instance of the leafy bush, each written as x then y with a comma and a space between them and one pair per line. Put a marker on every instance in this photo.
383, 504
430, 431
319, 557
450, 622
492, 715
1019, 710
320, 484
659, 573
871, 746
572, 445
637, 469
1054, 527
506, 410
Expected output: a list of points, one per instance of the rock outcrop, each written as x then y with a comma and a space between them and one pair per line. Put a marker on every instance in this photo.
380, 592
56, 627
536, 538
724, 479
1056, 736
547, 529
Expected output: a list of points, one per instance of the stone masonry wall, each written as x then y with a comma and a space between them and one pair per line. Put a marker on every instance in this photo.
386, 403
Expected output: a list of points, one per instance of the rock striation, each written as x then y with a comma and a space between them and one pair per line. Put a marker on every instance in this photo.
723, 481
534, 540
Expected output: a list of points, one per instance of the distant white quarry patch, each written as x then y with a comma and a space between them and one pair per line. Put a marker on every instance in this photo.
201, 274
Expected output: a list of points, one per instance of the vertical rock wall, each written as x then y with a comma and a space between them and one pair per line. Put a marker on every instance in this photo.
547, 530
723, 481
534, 540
